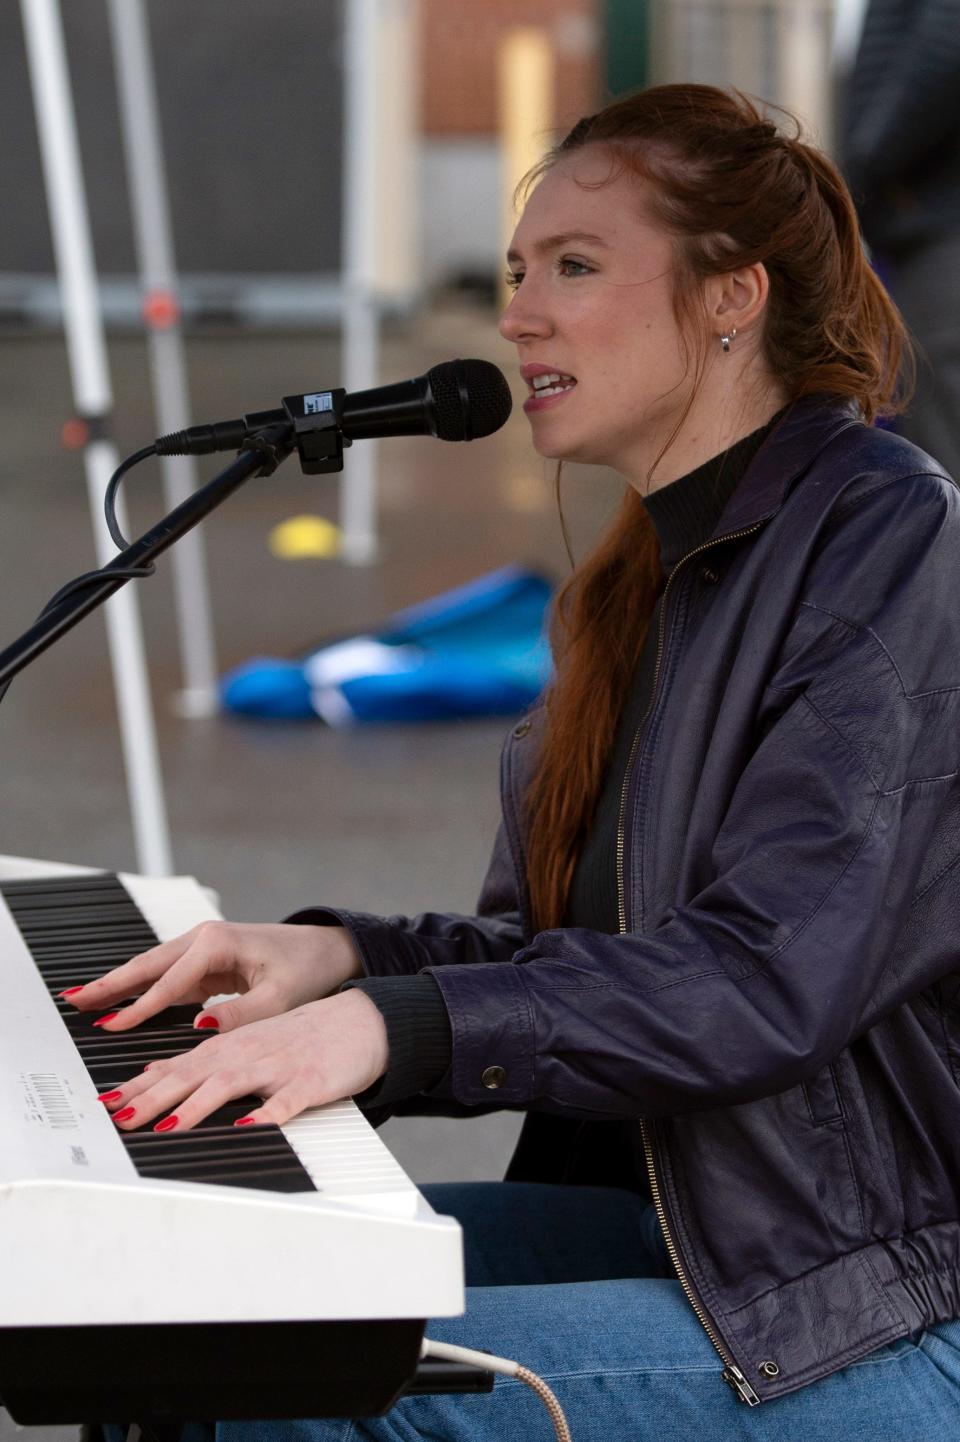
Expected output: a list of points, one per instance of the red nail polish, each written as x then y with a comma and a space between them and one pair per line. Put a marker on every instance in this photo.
243, 1122
167, 1125
125, 1115
109, 1096
70, 991
206, 1023
109, 1017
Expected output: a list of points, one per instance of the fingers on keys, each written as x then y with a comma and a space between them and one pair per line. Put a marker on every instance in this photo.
161, 977
129, 979
122, 1096
192, 1086
183, 1095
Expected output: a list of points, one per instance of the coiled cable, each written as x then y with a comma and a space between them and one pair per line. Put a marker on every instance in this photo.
488, 1363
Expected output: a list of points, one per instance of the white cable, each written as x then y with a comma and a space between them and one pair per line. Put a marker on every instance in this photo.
506, 1368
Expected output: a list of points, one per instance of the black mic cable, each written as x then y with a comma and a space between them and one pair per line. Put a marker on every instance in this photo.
458, 400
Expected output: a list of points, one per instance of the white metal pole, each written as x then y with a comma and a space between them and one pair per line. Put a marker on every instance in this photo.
360, 328
146, 179
804, 55
525, 83
87, 353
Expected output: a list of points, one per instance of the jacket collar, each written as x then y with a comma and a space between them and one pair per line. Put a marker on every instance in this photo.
794, 443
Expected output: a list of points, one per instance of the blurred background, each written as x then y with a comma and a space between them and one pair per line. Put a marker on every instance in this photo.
330, 183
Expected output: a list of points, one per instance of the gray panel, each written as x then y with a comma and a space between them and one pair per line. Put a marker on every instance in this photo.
251, 102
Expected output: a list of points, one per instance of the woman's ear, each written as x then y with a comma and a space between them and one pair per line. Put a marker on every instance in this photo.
736, 299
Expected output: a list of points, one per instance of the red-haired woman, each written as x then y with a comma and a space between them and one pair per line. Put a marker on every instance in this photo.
716, 955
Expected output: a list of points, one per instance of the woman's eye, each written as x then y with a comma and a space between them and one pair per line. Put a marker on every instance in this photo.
580, 267
567, 266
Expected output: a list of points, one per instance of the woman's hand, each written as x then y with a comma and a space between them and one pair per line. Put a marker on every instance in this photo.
314, 1054
276, 968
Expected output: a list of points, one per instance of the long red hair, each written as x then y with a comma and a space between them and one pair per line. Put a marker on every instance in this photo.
732, 190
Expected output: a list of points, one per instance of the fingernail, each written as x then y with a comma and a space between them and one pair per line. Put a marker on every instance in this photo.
70, 991
125, 1115
243, 1122
167, 1125
109, 1017
206, 1022
109, 1096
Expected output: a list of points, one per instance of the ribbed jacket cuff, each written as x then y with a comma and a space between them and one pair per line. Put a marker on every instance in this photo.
419, 1035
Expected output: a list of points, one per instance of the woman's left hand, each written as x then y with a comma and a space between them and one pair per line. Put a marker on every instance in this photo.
316, 1053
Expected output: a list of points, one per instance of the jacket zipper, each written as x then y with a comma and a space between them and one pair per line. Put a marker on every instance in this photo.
731, 1373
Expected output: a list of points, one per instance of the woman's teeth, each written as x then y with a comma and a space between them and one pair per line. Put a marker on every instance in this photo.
552, 384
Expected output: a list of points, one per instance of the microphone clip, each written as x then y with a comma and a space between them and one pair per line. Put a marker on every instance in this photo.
317, 421
272, 444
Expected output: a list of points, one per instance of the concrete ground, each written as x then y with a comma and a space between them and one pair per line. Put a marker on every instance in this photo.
273, 815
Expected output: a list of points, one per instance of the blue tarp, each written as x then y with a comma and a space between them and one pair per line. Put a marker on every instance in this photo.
478, 650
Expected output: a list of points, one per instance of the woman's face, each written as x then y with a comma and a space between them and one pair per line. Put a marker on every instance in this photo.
593, 305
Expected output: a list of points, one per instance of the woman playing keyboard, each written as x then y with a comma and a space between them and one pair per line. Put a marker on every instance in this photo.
715, 956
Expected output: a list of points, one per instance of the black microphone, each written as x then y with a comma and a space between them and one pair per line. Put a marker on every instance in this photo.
460, 400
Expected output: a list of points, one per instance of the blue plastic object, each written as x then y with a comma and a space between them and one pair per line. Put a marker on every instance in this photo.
478, 650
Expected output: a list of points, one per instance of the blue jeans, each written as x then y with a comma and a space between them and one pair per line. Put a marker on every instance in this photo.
575, 1283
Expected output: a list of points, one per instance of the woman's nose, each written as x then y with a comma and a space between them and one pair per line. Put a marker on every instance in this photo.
523, 318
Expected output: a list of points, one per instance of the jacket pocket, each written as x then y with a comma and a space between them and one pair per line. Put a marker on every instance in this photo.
822, 1097
837, 1187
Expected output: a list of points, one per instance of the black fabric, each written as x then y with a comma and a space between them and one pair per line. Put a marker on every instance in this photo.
686, 511
594, 900
418, 1034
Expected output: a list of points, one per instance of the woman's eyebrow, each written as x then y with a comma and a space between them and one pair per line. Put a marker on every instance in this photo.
553, 242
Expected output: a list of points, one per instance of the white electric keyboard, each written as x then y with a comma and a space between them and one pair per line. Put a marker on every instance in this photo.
255, 1272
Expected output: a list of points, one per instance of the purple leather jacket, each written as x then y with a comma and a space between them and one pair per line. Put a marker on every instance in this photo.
782, 1005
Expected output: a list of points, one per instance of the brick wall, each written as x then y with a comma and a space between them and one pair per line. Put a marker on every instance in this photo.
458, 50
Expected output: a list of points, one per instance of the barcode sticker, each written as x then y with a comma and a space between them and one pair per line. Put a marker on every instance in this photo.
51, 1100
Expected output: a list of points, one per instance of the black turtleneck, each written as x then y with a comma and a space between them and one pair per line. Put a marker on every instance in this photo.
684, 512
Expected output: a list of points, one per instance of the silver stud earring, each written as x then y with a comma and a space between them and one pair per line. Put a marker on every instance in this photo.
726, 339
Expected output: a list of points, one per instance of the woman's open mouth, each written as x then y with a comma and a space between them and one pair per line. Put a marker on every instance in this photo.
548, 390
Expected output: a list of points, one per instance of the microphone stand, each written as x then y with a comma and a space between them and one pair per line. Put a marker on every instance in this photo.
260, 455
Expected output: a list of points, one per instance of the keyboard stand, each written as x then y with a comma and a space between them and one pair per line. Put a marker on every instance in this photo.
156, 1429
434, 1375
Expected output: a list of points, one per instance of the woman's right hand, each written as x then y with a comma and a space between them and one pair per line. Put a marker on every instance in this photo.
274, 967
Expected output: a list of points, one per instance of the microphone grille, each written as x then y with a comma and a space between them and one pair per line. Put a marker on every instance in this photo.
471, 399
